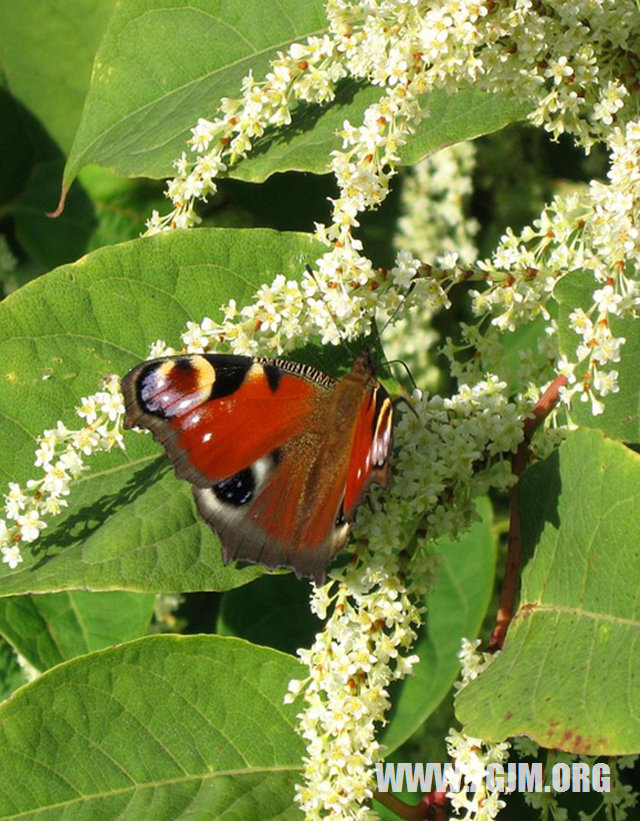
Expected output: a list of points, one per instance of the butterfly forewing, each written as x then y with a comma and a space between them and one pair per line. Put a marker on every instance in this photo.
210, 411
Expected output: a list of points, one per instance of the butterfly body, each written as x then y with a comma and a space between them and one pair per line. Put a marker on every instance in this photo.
278, 453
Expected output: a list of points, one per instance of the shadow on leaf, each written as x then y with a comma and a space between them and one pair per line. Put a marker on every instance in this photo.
79, 526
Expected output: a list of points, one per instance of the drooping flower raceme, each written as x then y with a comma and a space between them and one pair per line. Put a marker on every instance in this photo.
61, 456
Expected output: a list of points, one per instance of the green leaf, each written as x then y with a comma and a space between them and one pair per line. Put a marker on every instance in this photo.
49, 629
569, 675
130, 523
451, 119
136, 98
164, 63
121, 205
455, 609
52, 242
307, 143
166, 727
46, 51
621, 417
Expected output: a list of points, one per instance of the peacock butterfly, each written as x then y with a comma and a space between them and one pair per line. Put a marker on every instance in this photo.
279, 454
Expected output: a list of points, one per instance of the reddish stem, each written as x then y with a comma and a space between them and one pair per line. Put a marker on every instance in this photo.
432, 807
520, 459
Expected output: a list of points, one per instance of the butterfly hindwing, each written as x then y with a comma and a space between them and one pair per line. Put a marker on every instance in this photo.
370, 447
262, 514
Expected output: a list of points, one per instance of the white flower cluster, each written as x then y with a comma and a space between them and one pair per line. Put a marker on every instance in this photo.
364, 647
472, 662
569, 60
434, 198
594, 232
60, 455
471, 756
443, 445
450, 450
572, 61
433, 226
307, 72
285, 314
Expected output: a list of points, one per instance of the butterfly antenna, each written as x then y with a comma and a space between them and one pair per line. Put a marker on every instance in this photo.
406, 368
423, 270
403, 399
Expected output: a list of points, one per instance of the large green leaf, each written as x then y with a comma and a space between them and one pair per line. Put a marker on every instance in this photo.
569, 675
52, 242
130, 523
166, 727
306, 144
274, 611
455, 609
55, 627
46, 52
162, 65
621, 417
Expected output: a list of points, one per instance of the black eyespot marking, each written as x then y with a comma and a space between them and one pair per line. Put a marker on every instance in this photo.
184, 363
276, 457
230, 373
273, 375
237, 490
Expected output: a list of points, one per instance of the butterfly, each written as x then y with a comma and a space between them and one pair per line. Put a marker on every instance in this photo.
279, 454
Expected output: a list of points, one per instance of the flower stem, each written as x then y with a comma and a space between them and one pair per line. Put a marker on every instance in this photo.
511, 583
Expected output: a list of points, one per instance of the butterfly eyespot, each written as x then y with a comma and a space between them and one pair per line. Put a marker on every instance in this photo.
237, 490
183, 363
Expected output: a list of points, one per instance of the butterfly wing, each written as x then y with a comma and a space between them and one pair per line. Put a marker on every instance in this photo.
370, 447
216, 414
279, 454
282, 515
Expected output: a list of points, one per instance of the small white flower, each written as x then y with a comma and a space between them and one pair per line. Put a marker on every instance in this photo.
606, 382
606, 299
86, 440
30, 525
160, 348
88, 409
11, 556
14, 501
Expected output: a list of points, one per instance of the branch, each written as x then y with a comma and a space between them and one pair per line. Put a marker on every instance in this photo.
520, 459
432, 807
